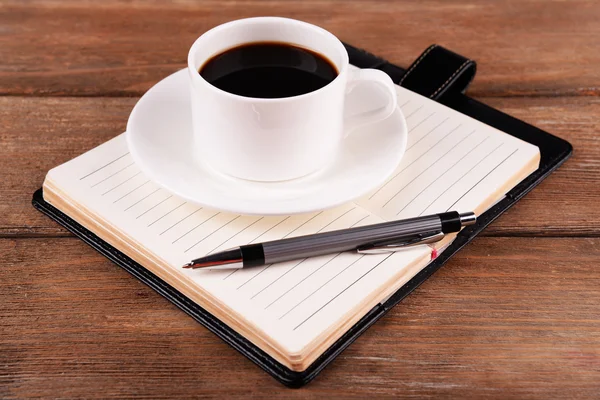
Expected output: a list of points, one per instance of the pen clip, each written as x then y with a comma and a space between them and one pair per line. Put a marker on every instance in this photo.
392, 245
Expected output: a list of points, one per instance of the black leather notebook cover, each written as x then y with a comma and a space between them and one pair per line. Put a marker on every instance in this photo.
439, 74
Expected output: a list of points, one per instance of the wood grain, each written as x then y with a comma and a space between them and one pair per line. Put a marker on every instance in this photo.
514, 315
76, 325
41, 133
121, 48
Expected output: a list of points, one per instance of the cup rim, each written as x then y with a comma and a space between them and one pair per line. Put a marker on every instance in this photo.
195, 75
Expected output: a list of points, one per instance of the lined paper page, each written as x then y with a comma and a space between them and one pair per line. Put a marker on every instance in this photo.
451, 162
292, 302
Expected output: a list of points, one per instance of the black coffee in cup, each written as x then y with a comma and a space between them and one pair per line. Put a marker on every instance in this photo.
268, 70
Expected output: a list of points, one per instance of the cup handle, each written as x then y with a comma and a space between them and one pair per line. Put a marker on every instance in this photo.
371, 77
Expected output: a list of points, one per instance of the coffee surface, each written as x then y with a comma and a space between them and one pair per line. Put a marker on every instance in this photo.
268, 70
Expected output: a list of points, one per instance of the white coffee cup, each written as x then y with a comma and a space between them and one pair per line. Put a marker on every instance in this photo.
266, 139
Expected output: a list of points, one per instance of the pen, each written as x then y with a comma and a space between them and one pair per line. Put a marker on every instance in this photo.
368, 239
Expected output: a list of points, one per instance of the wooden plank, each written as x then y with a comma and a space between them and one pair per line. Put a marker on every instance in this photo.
121, 48
41, 133
565, 204
76, 325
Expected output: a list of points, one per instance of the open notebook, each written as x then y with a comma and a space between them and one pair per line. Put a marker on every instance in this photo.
295, 310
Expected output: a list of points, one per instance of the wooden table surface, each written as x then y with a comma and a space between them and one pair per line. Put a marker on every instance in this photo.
515, 314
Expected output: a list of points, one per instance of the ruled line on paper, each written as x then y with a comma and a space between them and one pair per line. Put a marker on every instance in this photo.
253, 276
405, 103
415, 160
111, 175
286, 235
459, 179
359, 221
195, 227
428, 133
302, 224
278, 278
133, 190
271, 228
340, 293
211, 233
154, 206
102, 167
231, 273
427, 169
414, 112
164, 215
256, 238
444, 173
181, 220
321, 287
421, 122
303, 279
142, 199
337, 218
320, 230
122, 183
316, 270
235, 234
479, 181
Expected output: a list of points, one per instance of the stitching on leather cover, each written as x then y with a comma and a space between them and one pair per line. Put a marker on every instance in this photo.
412, 67
449, 79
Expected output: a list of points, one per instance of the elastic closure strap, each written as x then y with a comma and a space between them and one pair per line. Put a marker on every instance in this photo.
439, 72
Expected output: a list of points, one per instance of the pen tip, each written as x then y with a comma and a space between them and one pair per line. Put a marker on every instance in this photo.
188, 265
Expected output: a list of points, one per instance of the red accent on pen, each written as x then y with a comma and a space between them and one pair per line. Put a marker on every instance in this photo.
434, 253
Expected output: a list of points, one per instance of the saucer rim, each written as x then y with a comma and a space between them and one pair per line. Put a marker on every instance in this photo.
251, 207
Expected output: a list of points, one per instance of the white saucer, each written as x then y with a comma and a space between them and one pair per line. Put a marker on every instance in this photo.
159, 135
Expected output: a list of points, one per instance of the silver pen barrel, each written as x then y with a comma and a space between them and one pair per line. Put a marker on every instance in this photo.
347, 239
368, 239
